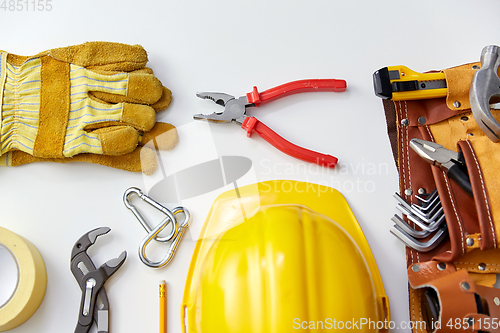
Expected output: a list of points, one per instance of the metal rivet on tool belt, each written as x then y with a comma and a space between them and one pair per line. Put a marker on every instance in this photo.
422, 120
422, 191
175, 235
456, 104
465, 285
496, 300
441, 266
464, 118
408, 191
405, 122
470, 241
415, 268
482, 266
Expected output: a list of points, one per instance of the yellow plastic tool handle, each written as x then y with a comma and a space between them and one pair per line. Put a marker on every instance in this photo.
399, 83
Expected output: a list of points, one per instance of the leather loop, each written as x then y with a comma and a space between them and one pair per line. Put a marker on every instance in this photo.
481, 197
458, 81
423, 273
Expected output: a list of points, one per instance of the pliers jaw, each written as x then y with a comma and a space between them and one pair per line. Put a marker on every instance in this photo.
451, 162
87, 240
435, 154
217, 98
234, 109
91, 282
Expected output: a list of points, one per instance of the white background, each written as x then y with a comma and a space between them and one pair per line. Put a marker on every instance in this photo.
230, 46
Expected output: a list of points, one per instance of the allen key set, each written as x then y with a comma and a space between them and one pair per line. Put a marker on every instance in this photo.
428, 216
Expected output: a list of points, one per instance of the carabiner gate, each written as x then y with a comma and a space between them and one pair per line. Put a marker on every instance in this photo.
171, 217
173, 246
144, 223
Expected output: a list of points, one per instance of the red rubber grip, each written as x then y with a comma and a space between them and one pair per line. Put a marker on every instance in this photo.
251, 124
296, 87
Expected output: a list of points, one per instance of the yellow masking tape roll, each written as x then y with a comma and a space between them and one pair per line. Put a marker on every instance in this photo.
31, 284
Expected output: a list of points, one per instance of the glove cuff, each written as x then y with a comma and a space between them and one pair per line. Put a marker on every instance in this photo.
20, 101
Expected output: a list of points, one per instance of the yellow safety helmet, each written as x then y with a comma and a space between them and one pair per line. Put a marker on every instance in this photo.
281, 256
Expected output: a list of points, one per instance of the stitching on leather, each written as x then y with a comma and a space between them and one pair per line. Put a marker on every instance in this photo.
477, 270
408, 184
420, 316
413, 292
413, 303
403, 159
403, 170
455, 210
475, 264
403, 164
430, 133
408, 151
451, 199
483, 188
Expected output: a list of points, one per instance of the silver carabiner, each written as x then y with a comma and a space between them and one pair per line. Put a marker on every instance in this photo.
175, 235
170, 217
173, 246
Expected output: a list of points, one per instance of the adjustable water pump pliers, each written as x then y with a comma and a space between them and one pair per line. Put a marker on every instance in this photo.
235, 110
91, 281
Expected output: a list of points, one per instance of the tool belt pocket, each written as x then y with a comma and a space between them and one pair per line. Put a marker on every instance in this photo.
469, 219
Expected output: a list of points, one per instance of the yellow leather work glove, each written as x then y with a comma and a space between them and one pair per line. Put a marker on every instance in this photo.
94, 102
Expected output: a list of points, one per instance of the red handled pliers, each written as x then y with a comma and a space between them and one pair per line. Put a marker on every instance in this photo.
235, 110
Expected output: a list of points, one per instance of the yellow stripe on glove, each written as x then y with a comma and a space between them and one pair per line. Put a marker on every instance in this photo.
21, 102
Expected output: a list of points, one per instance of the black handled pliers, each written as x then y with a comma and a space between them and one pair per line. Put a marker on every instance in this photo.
447, 160
91, 281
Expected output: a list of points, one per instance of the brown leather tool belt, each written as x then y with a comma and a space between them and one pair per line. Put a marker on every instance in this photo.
453, 283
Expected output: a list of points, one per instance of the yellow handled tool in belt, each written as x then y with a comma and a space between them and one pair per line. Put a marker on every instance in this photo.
399, 83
